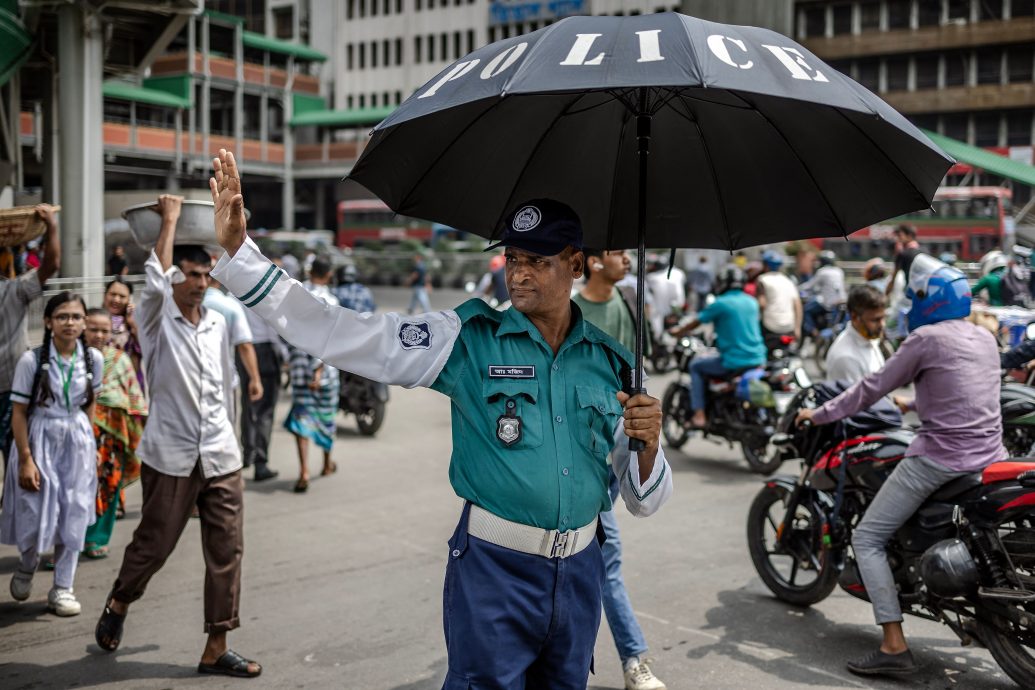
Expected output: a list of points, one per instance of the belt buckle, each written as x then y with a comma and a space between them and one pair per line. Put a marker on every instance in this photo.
564, 544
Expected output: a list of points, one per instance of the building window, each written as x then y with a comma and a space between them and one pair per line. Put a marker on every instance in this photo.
989, 66
954, 126
986, 129
398, 51
350, 101
1019, 61
956, 68
505, 31
927, 71
1018, 127
398, 6
456, 45
898, 73
350, 9
1022, 8
470, 40
387, 9
431, 48
362, 55
373, 8
362, 100
869, 73
869, 15
349, 56
373, 54
418, 53
898, 14
362, 4
443, 47
929, 12
815, 21
386, 53
419, 4
959, 10
398, 97
842, 19
284, 22
991, 10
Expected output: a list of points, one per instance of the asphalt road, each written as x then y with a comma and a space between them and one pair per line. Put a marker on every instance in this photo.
342, 585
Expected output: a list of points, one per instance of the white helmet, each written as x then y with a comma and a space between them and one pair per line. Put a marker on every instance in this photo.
993, 260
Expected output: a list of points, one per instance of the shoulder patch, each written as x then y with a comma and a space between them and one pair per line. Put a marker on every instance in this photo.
476, 307
414, 335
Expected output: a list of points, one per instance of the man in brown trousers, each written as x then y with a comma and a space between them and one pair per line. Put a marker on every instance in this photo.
189, 452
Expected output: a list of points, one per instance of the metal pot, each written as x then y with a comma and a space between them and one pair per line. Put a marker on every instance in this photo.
195, 225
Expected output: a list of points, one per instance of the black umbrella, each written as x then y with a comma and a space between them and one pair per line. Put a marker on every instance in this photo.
756, 140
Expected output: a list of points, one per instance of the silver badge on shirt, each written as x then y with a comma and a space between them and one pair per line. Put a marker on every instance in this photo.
508, 424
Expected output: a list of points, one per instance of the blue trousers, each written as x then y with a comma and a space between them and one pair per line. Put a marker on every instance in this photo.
625, 629
514, 621
700, 369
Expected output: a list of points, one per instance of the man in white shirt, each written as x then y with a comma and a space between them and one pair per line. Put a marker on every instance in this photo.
189, 452
827, 288
778, 299
668, 292
856, 353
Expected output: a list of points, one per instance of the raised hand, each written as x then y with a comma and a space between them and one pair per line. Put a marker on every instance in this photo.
225, 185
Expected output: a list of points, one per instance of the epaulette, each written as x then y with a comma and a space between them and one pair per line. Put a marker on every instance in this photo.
594, 334
476, 307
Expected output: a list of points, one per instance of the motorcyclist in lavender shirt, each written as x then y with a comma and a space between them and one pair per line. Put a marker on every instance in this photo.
955, 368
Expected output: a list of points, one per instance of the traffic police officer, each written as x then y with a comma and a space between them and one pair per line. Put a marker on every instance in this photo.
536, 410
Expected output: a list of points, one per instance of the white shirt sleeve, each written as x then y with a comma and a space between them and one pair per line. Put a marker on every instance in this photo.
157, 289
98, 369
390, 348
24, 373
642, 496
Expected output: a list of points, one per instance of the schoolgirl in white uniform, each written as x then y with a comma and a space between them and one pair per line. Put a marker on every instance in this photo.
51, 480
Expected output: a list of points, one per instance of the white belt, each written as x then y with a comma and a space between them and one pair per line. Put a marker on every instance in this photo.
548, 543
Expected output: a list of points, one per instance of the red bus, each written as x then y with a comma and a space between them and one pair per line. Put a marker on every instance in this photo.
363, 221
966, 221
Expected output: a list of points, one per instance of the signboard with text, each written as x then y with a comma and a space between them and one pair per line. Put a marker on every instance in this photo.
518, 11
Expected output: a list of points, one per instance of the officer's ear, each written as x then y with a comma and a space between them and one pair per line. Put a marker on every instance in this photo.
578, 263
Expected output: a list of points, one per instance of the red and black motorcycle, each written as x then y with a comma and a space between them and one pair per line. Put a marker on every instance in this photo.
965, 559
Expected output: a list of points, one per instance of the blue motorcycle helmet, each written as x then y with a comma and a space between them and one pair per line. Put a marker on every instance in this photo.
772, 260
938, 292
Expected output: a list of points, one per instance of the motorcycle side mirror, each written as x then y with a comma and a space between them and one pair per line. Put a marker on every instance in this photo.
801, 377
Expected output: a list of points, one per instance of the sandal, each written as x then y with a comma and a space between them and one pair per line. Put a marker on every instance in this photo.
95, 552
230, 664
301, 486
329, 469
120, 512
109, 627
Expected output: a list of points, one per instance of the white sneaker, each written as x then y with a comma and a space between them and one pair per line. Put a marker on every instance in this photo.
638, 675
62, 602
21, 585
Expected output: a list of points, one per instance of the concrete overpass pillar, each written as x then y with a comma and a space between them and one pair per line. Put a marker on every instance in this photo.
81, 166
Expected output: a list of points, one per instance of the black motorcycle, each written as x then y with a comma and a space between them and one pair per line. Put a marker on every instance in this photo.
733, 416
966, 559
364, 398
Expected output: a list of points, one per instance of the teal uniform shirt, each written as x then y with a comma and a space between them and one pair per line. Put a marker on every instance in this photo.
494, 366
738, 333
556, 475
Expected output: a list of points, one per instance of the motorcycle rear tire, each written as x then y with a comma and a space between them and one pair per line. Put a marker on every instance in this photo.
661, 360
754, 452
673, 409
1016, 660
371, 422
758, 517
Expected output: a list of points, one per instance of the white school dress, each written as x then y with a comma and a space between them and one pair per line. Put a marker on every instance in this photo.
63, 447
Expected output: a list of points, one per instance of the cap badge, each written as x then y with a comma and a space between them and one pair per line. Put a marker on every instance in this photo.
526, 219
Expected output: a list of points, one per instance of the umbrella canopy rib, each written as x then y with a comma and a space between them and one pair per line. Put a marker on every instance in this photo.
907, 178
614, 177
443, 152
689, 115
528, 161
797, 157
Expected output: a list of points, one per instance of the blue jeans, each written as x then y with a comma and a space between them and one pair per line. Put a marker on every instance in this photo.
514, 620
625, 629
700, 370
419, 301
811, 315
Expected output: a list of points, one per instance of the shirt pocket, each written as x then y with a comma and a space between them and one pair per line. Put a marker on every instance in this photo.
524, 393
599, 411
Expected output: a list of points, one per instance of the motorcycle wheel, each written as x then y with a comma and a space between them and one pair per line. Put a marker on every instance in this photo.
1016, 659
371, 420
674, 405
780, 571
760, 457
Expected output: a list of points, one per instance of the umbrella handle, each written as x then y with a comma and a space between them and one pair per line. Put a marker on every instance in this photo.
635, 444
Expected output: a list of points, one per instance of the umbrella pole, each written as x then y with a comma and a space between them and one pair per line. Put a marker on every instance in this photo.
643, 125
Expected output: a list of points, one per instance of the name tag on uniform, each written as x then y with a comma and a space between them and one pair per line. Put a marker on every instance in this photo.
503, 371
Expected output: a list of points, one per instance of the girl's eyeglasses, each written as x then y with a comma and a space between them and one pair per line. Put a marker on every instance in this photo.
67, 318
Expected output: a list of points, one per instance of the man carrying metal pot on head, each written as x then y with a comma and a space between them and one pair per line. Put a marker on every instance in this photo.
955, 368
537, 406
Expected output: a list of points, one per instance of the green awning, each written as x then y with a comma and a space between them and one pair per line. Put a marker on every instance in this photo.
986, 160
128, 92
275, 45
342, 118
15, 43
